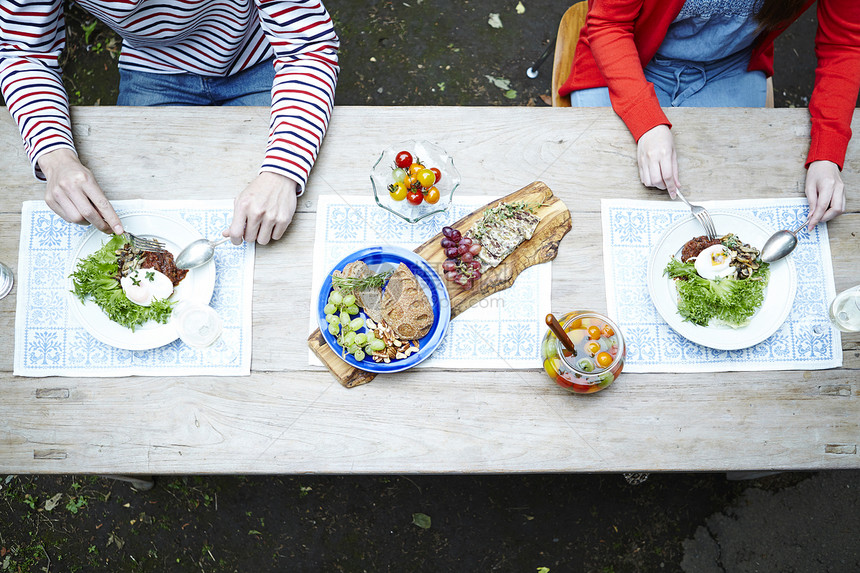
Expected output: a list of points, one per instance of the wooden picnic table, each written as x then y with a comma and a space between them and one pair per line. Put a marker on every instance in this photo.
288, 417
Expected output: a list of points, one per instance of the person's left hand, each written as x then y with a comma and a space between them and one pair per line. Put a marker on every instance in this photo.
263, 210
824, 191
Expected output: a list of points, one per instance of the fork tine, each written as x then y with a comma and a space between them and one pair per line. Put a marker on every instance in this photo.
146, 244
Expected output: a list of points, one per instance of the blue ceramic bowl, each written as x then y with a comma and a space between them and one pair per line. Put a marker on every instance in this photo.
381, 259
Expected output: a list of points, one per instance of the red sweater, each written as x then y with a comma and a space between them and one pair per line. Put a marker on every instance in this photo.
621, 36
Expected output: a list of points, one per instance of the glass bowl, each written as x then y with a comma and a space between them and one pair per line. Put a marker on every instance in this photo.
430, 155
584, 373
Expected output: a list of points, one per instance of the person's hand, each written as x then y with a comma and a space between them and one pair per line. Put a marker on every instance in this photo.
263, 211
825, 192
658, 164
73, 194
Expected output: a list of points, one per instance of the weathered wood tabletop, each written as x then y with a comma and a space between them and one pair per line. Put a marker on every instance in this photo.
288, 417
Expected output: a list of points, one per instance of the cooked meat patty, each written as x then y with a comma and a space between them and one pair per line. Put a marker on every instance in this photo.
695, 246
163, 263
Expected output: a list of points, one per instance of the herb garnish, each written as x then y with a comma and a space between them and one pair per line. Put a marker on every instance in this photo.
494, 216
352, 284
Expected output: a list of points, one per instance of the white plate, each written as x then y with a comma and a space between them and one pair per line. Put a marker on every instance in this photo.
197, 286
778, 295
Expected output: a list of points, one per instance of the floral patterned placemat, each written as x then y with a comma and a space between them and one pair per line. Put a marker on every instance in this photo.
50, 342
503, 331
805, 341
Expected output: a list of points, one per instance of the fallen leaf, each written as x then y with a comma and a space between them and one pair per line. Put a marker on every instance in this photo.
52, 503
495, 21
511, 94
543, 570
422, 520
500, 83
520, 8
547, 99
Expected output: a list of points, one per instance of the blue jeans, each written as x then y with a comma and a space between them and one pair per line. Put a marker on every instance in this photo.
249, 87
681, 83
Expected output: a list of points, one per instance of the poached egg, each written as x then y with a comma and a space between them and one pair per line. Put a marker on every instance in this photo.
714, 262
146, 285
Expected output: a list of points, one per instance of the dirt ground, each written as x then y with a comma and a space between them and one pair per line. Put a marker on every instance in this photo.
411, 52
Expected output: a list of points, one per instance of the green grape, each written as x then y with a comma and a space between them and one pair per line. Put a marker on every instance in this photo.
356, 323
331, 319
334, 328
353, 349
335, 297
329, 308
359, 354
349, 300
377, 345
352, 309
345, 318
349, 337
361, 339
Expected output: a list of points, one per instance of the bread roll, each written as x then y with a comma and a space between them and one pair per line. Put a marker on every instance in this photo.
405, 307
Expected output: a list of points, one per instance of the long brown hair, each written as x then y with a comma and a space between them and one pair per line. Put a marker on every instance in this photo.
773, 13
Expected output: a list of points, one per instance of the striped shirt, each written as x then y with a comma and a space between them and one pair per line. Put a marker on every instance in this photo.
206, 37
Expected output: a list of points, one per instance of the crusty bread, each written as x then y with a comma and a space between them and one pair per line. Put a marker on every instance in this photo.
405, 307
369, 299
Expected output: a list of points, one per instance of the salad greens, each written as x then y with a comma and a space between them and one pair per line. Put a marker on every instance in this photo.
95, 277
728, 300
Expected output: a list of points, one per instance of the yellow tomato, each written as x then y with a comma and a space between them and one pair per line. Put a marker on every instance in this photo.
426, 177
604, 359
397, 191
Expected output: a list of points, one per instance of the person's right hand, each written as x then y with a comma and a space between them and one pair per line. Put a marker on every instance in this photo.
658, 164
73, 194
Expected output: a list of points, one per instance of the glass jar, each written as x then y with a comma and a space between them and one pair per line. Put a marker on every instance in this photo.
599, 358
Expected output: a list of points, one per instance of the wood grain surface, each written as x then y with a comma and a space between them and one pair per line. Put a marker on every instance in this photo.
542, 247
288, 417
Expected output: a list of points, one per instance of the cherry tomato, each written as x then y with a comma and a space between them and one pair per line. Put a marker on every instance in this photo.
431, 195
437, 173
397, 191
604, 359
593, 332
415, 168
592, 347
607, 330
398, 174
415, 197
426, 177
409, 181
403, 159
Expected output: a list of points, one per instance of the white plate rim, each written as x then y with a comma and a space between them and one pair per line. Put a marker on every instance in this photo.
149, 335
778, 298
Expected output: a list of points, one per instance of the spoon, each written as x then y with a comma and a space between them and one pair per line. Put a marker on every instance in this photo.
198, 253
780, 244
559, 332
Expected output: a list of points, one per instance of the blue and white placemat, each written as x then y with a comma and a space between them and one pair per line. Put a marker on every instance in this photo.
806, 341
503, 330
50, 342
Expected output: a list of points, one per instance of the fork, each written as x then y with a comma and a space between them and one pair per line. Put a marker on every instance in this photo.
152, 245
702, 215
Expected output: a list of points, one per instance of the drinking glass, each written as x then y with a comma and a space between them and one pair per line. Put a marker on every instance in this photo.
200, 327
6, 280
845, 310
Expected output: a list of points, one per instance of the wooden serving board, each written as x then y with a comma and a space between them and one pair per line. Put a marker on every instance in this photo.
554, 224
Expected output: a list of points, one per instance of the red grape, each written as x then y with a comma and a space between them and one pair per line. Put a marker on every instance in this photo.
447, 231
452, 252
448, 243
466, 241
449, 265
466, 257
455, 235
475, 249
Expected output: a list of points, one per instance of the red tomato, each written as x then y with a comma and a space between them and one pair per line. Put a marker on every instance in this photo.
431, 195
593, 332
403, 159
415, 197
436, 172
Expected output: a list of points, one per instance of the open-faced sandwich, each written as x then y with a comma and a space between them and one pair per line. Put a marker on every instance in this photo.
719, 281
130, 285
398, 312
